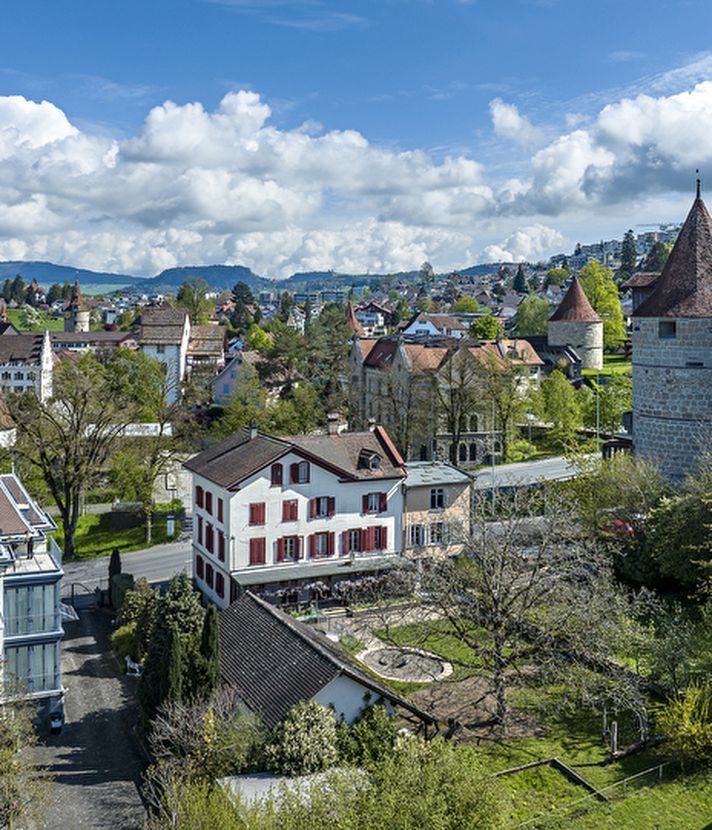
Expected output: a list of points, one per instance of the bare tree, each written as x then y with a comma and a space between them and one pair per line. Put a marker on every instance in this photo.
456, 394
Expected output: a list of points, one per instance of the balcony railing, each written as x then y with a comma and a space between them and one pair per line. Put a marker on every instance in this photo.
33, 624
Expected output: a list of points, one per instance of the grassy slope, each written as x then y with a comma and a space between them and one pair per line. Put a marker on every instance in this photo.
13, 316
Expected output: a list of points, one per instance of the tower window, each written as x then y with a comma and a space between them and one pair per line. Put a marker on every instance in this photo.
667, 329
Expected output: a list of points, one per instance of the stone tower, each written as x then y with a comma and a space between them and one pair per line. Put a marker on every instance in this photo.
672, 354
76, 313
576, 324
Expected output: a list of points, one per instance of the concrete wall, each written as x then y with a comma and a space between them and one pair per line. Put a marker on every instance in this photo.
347, 697
455, 517
672, 394
586, 339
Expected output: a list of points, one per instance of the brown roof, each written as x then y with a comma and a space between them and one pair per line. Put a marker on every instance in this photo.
162, 324
207, 340
423, 358
238, 456
352, 320
91, 338
518, 352
575, 307
21, 348
76, 301
365, 344
642, 279
381, 355
440, 321
684, 288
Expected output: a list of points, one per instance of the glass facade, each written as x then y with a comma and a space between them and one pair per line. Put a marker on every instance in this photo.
31, 609
35, 667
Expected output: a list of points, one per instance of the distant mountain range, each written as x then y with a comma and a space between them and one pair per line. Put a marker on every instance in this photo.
218, 277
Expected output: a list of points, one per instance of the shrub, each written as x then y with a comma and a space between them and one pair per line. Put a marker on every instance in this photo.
521, 450
123, 641
304, 742
687, 722
369, 738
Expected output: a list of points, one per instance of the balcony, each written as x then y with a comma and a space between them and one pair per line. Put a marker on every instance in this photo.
32, 624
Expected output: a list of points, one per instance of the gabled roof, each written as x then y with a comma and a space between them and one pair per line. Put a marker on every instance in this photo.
21, 348
439, 321
351, 319
273, 661
237, 457
575, 307
162, 324
642, 279
684, 288
209, 340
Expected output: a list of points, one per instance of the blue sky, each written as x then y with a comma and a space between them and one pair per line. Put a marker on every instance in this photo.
497, 86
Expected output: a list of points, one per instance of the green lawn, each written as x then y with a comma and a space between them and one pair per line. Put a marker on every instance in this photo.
96, 536
613, 364
13, 316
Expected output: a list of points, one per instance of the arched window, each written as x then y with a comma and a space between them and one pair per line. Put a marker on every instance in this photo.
473, 452
463, 452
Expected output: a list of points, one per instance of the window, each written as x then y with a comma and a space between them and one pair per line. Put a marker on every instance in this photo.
199, 566
437, 533
437, 498
219, 584
209, 539
200, 530
209, 574
474, 425
221, 547
473, 452
160, 348
276, 475
208, 503
667, 329
290, 510
375, 503
322, 507
416, 536
321, 544
257, 513
288, 549
380, 540
199, 496
299, 473
351, 541
257, 551
463, 452
220, 509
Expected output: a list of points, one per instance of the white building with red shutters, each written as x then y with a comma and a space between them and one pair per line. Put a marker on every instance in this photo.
285, 514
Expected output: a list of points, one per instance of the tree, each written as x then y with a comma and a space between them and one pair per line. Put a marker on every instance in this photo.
455, 395
173, 692
532, 316
520, 280
328, 354
114, 565
657, 257
192, 296
304, 742
286, 304
486, 327
298, 412
629, 257
69, 438
18, 289
257, 339
555, 276
139, 610
426, 271
242, 297
54, 294
32, 319
603, 405
602, 292
210, 652
246, 404
466, 305
558, 405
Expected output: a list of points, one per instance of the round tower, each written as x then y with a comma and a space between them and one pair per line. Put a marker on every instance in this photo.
576, 324
76, 312
672, 354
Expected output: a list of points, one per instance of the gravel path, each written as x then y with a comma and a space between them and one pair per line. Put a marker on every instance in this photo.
95, 760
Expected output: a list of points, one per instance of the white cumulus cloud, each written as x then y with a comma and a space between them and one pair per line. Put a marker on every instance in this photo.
509, 123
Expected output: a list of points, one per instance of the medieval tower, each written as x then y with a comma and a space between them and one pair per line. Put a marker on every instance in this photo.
76, 312
672, 354
576, 324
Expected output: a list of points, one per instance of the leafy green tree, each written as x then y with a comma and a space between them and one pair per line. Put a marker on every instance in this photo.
139, 610
657, 257
32, 319
328, 354
297, 412
519, 283
532, 316
401, 309
558, 405
602, 292
54, 294
247, 403
466, 305
369, 739
687, 723
18, 290
486, 327
304, 742
556, 276
192, 296
286, 304
603, 404
241, 317
258, 340
629, 257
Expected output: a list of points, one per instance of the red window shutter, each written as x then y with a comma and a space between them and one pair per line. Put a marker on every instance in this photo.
209, 503
257, 551
200, 530
295, 510
276, 475
219, 585
364, 503
220, 510
312, 508
330, 543
345, 542
331, 509
199, 496
257, 513
221, 547
199, 566
371, 538
209, 574
384, 538
286, 511
363, 540
280, 550
382, 502
312, 546
261, 513
209, 538
293, 473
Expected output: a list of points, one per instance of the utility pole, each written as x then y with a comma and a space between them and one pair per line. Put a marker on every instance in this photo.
598, 410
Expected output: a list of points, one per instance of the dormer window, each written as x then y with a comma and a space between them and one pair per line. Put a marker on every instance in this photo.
369, 460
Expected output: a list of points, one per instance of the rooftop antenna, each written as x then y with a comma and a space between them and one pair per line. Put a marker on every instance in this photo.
699, 183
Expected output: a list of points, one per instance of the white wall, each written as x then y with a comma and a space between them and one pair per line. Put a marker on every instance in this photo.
346, 696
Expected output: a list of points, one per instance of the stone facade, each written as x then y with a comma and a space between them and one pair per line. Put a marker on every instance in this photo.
672, 392
440, 532
586, 338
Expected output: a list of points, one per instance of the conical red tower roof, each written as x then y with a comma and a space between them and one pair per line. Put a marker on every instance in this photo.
684, 288
575, 307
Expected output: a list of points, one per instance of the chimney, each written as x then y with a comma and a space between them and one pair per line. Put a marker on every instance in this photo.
253, 430
332, 424
371, 424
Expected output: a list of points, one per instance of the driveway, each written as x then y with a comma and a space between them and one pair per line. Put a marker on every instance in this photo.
95, 760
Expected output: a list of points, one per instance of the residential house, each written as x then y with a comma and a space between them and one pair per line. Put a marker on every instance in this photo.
101, 343
435, 325
300, 664
26, 364
438, 510
31, 597
206, 349
165, 336
274, 514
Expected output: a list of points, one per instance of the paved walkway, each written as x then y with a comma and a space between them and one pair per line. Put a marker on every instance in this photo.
95, 760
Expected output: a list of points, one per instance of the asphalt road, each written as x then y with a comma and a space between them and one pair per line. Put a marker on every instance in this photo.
158, 563
525, 473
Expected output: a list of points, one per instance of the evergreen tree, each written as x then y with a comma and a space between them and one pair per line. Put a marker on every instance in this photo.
520, 280
657, 257
210, 652
18, 290
7, 290
54, 294
114, 566
629, 257
176, 669
67, 290
286, 303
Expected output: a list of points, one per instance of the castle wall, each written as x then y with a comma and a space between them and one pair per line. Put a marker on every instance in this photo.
672, 393
585, 337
